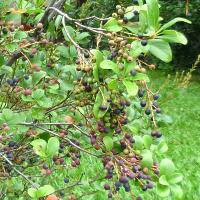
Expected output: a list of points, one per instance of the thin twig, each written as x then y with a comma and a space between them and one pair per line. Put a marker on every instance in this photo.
20, 173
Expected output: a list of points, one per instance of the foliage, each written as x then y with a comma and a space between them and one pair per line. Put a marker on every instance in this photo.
59, 99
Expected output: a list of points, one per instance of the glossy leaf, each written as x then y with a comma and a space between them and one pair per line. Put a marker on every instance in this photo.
108, 141
161, 49
113, 25
131, 87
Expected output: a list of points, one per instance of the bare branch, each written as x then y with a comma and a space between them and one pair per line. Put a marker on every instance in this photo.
95, 30
64, 124
69, 141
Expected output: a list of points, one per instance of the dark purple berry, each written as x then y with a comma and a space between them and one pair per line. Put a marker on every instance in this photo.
144, 42
140, 93
155, 97
133, 72
135, 12
140, 36
106, 187
45, 166
143, 103
86, 55
147, 112
103, 107
125, 20
135, 2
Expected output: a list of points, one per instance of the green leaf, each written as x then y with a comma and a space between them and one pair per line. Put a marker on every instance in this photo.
37, 113
147, 139
161, 49
172, 22
65, 85
82, 36
112, 85
167, 167
96, 73
163, 180
58, 21
39, 147
153, 13
20, 35
108, 142
45, 102
162, 190
52, 146
178, 192
147, 161
98, 56
137, 48
131, 87
37, 94
63, 51
37, 76
98, 102
139, 76
71, 32
32, 192
2, 61
113, 26
6, 70
108, 64
128, 66
162, 147
138, 142
173, 36
6, 115
175, 178
45, 190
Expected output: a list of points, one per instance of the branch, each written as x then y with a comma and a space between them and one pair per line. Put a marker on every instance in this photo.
70, 38
69, 141
57, 135
16, 55
95, 30
20, 173
64, 124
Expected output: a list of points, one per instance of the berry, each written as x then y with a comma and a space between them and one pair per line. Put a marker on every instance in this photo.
117, 184
141, 56
140, 36
147, 111
158, 134
133, 72
27, 92
66, 180
5, 31
135, 12
153, 133
11, 144
135, 169
135, 2
24, 59
125, 20
143, 103
26, 14
101, 78
144, 42
103, 107
141, 93
45, 166
139, 198
109, 195
121, 163
40, 25
109, 58
155, 97
62, 193
144, 187
86, 55
106, 187
158, 110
